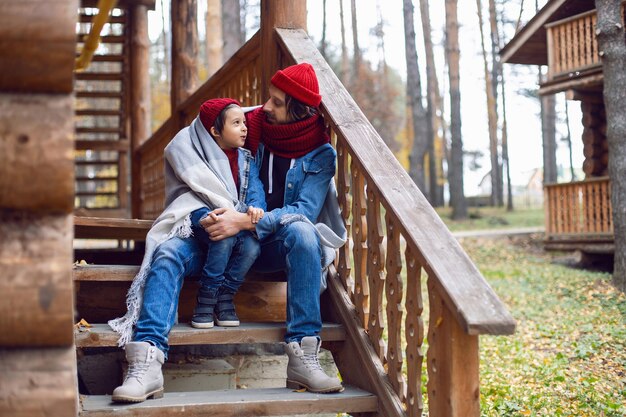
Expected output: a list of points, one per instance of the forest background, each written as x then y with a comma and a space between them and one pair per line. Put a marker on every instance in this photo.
380, 40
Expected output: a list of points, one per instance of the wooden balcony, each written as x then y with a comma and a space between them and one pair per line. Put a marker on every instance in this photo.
573, 51
578, 216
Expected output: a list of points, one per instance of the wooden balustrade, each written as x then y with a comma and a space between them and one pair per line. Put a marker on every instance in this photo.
579, 209
411, 240
572, 45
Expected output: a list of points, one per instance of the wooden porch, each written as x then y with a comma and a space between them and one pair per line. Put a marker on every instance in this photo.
375, 323
562, 36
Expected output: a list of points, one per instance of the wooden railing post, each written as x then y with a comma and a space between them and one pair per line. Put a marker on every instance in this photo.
453, 384
289, 14
184, 54
140, 97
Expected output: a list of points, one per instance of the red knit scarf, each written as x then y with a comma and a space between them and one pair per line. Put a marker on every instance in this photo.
232, 155
291, 140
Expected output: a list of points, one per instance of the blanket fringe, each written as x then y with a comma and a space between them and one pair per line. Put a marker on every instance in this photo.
134, 298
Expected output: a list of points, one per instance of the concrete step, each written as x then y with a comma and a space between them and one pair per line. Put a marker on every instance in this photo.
239, 402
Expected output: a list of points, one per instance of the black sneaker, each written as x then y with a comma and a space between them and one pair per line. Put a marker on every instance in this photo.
225, 311
203, 313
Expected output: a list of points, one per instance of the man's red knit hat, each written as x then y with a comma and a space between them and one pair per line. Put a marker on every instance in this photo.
300, 82
210, 109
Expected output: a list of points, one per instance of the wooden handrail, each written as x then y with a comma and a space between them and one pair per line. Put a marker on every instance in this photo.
439, 252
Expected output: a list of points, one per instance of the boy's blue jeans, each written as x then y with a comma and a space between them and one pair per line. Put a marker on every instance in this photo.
294, 248
228, 260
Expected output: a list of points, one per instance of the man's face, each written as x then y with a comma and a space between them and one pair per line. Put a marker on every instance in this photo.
275, 108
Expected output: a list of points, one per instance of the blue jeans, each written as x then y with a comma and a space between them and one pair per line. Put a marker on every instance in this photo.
228, 260
293, 248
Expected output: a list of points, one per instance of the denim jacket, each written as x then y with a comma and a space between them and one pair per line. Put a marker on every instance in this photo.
309, 192
250, 186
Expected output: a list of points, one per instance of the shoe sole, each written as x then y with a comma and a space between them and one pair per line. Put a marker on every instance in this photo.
228, 323
299, 385
201, 325
126, 399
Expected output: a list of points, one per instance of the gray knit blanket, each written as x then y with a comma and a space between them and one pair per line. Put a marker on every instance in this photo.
197, 174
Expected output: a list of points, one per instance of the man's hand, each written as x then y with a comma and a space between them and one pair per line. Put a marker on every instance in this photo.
222, 223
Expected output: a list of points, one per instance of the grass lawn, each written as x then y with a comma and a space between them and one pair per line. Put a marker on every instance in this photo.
493, 218
568, 355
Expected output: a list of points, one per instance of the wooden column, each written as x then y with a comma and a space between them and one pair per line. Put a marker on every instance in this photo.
289, 14
453, 384
37, 354
139, 97
184, 52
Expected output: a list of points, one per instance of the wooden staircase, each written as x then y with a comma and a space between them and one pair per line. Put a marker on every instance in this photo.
100, 293
102, 117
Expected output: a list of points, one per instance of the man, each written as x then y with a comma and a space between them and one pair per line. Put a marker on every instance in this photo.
296, 166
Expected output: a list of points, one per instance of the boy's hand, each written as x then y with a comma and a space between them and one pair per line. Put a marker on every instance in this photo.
255, 214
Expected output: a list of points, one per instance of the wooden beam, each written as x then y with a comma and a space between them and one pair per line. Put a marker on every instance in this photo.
38, 382
37, 48
289, 14
109, 228
36, 307
184, 52
453, 360
36, 152
139, 98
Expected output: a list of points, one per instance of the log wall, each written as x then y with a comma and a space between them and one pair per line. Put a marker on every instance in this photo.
37, 355
595, 145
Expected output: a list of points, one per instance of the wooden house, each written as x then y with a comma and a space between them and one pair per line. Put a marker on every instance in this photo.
562, 36
65, 173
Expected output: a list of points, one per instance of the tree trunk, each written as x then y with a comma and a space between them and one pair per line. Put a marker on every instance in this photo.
232, 32
414, 98
492, 116
569, 143
455, 167
344, 47
610, 33
505, 149
496, 77
433, 110
548, 133
355, 42
184, 51
213, 41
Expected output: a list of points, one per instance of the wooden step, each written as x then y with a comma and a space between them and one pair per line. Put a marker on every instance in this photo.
97, 112
88, 18
126, 273
113, 130
99, 94
99, 76
103, 39
101, 335
110, 228
102, 145
240, 402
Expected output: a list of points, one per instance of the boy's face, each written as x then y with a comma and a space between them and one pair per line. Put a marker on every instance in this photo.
275, 108
235, 131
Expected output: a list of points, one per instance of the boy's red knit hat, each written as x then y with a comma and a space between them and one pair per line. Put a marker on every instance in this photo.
300, 82
210, 109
